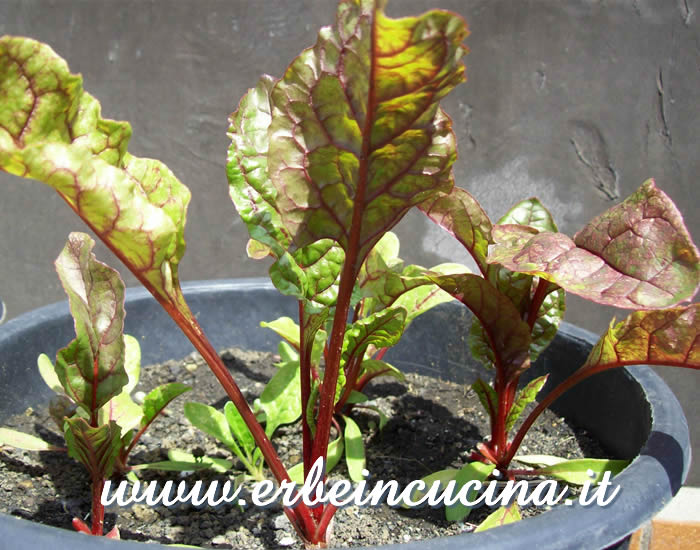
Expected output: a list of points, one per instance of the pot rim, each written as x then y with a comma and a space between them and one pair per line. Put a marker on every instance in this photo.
662, 463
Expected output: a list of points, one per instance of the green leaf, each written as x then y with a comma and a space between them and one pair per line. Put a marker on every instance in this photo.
669, 337
159, 398
576, 471
132, 362
382, 329
220, 465
356, 397
211, 422
526, 396
443, 476
458, 213
477, 471
123, 411
530, 212
172, 466
353, 126
95, 448
239, 429
637, 254
354, 450
52, 131
280, 398
487, 396
335, 453
509, 335
48, 373
539, 460
286, 328
503, 516
91, 368
373, 366
546, 325
20, 440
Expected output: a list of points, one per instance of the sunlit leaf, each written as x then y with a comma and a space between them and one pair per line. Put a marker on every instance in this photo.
280, 398
473, 471
503, 516
576, 471
526, 396
354, 449
158, 398
20, 440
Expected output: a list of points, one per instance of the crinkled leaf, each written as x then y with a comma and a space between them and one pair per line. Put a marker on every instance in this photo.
246, 166
526, 396
382, 330
20, 440
211, 422
52, 131
158, 398
487, 396
474, 471
280, 398
220, 465
668, 337
91, 368
507, 334
354, 450
576, 471
458, 213
503, 516
47, 370
637, 254
321, 263
546, 325
335, 453
378, 367
354, 131
286, 328
239, 429
94, 448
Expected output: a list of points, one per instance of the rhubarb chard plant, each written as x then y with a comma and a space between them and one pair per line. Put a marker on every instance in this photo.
93, 378
323, 163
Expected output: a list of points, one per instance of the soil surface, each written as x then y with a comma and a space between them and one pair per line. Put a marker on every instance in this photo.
433, 425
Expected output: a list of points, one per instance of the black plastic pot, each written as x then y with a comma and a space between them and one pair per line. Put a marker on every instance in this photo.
632, 412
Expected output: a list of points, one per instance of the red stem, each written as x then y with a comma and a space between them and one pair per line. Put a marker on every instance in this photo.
98, 510
536, 302
571, 381
305, 377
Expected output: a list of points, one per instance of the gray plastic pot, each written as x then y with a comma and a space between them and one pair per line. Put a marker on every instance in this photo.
631, 411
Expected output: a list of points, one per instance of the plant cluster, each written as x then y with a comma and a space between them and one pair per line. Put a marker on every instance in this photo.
323, 163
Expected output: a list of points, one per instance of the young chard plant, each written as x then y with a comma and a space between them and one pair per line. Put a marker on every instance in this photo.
638, 255
323, 163
94, 376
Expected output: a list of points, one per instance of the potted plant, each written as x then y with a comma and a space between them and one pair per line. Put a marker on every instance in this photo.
323, 163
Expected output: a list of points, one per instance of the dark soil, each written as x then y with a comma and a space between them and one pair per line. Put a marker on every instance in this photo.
432, 425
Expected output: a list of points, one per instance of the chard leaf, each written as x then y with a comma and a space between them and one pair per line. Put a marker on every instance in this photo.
159, 398
238, 428
378, 367
637, 254
526, 396
132, 362
246, 166
335, 453
280, 398
539, 460
473, 471
354, 133
286, 328
220, 465
357, 397
530, 212
52, 131
174, 466
443, 476
507, 334
321, 263
503, 516
546, 325
91, 368
95, 448
122, 408
354, 450
382, 330
211, 422
668, 337
576, 471
47, 370
487, 397
21, 440
458, 213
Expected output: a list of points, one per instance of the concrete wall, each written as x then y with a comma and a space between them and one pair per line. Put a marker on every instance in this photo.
574, 101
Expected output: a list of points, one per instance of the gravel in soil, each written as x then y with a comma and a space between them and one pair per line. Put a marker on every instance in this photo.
433, 425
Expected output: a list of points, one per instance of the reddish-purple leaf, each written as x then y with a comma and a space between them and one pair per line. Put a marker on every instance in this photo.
637, 254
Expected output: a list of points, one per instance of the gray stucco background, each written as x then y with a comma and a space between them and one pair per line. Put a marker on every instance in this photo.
574, 101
